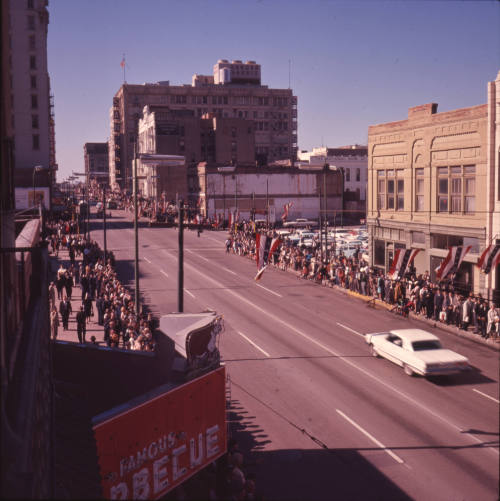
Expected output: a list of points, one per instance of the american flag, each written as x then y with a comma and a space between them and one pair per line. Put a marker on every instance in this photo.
265, 247
402, 259
286, 209
452, 261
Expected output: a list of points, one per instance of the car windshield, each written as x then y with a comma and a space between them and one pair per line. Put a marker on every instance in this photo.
426, 345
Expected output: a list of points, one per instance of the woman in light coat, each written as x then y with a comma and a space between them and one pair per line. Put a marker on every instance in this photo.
493, 321
54, 323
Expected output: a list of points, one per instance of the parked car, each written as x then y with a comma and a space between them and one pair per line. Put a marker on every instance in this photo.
417, 351
300, 223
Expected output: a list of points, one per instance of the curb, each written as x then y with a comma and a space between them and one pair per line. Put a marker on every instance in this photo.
494, 344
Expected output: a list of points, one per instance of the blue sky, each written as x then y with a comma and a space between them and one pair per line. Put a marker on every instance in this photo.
353, 64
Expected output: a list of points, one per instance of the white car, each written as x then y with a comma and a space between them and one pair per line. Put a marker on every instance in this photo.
417, 351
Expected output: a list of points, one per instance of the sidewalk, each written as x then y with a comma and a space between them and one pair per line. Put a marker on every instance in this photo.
377, 303
93, 328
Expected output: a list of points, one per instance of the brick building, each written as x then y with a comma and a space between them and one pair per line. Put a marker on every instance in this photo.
179, 132
234, 91
96, 162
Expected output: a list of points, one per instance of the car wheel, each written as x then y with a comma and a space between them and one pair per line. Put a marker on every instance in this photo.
373, 351
408, 370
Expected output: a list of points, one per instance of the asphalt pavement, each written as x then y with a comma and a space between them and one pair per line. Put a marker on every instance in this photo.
317, 415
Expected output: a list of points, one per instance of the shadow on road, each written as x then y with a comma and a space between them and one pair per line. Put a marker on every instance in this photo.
474, 376
298, 474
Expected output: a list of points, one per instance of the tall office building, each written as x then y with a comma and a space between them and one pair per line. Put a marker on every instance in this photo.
233, 91
96, 161
32, 119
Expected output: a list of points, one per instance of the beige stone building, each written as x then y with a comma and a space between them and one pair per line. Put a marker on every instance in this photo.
234, 91
433, 183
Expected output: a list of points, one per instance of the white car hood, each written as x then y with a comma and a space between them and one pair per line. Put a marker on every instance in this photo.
439, 356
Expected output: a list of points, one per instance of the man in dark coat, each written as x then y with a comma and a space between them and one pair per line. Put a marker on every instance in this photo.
84, 284
99, 304
65, 310
438, 304
80, 325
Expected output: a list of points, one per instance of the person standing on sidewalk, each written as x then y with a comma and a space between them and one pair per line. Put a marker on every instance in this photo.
52, 295
65, 310
87, 305
81, 328
54, 322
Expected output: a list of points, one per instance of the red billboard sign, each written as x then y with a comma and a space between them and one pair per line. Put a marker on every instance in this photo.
151, 448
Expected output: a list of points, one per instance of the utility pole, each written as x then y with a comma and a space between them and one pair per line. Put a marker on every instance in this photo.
325, 168
104, 224
136, 234
320, 225
267, 202
180, 281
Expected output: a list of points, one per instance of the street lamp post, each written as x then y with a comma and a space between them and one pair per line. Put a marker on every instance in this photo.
325, 168
104, 224
180, 278
136, 234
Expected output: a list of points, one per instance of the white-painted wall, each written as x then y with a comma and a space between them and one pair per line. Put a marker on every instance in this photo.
300, 189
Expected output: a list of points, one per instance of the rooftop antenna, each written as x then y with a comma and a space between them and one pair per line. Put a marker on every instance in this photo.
123, 64
289, 73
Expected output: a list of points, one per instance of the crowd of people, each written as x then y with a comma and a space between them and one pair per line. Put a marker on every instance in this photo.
442, 302
102, 294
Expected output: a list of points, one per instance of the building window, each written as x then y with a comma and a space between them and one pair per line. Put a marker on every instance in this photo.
32, 42
32, 62
390, 189
348, 175
419, 190
469, 189
34, 121
31, 23
358, 175
381, 189
400, 196
456, 189
33, 81
36, 142
34, 101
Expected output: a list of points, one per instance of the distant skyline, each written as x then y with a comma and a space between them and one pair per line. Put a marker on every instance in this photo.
353, 64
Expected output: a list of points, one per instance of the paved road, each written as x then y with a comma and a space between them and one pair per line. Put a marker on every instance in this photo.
323, 418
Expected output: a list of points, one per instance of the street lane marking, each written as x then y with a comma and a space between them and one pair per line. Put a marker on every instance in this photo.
487, 396
253, 344
371, 437
334, 353
215, 240
190, 293
229, 271
192, 252
146, 259
350, 330
161, 271
269, 290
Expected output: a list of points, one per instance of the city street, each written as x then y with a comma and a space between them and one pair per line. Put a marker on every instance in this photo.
317, 416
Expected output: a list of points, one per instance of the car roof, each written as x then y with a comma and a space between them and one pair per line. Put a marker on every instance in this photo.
415, 335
